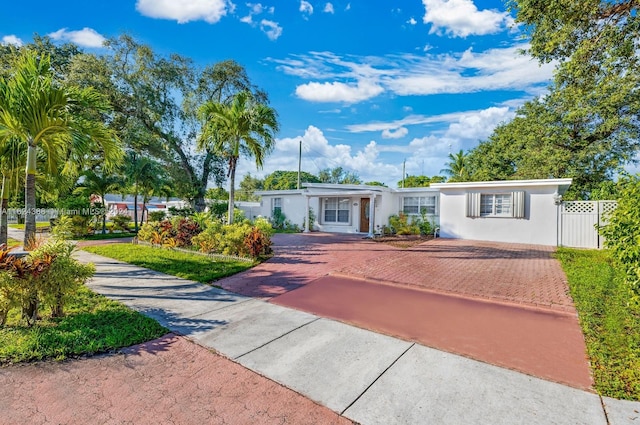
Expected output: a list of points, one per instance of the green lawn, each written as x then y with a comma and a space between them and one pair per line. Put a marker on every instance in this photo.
93, 324
610, 323
182, 264
39, 224
99, 236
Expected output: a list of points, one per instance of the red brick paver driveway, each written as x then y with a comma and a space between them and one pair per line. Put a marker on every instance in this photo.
505, 304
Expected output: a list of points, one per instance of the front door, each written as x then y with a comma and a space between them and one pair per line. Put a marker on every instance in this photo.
364, 214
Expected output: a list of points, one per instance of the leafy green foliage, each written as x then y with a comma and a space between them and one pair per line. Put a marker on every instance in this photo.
610, 323
92, 324
622, 233
157, 215
420, 181
46, 276
121, 222
458, 167
245, 127
338, 175
287, 180
403, 224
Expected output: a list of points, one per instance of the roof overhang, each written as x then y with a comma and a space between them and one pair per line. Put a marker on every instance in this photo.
561, 184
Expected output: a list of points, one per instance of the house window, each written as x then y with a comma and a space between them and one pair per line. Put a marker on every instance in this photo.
276, 206
419, 205
336, 210
510, 204
495, 205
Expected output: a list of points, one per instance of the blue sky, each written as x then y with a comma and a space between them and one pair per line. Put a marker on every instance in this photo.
365, 85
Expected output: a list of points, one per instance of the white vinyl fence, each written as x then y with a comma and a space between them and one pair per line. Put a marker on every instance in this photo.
579, 221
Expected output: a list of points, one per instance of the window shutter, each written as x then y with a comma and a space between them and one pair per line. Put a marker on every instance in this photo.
517, 198
473, 204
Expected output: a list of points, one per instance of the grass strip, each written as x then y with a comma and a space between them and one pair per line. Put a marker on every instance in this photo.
92, 324
177, 263
610, 321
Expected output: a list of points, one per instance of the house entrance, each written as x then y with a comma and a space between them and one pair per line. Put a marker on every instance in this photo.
364, 214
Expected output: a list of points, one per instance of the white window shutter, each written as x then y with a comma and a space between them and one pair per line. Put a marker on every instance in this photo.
517, 198
473, 204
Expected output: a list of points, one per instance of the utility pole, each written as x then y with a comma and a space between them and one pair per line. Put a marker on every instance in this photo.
404, 163
299, 163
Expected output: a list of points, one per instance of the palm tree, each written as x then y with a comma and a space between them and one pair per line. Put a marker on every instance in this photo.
458, 167
49, 115
141, 173
99, 184
242, 127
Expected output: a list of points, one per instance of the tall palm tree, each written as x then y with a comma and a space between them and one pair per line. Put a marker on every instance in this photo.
49, 115
99, 184
458, 167
243, 127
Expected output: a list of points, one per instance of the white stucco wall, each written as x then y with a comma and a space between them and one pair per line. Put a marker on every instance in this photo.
539, 226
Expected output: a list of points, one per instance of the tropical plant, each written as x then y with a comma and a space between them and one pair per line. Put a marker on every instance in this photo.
245, 127
99, 183
141, 175
458, 167
622, 233
60, 120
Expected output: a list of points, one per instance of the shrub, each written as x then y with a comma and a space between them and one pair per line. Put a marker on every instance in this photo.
147, 231
257, 243
157, 215
278, 219
48, 275
186, 229
121, 222
402, 225
63, 228
622, 233
181, 212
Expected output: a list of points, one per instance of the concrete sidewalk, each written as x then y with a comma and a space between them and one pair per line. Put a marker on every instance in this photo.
364, 376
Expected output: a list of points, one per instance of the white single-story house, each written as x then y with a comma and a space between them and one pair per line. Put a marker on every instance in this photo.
521, 211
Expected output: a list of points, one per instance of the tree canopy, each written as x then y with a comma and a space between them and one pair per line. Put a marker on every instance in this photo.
287, 180
338, 175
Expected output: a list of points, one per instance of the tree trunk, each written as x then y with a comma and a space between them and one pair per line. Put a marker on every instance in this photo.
232, 188
144, 204
4, 204
135, 212
30, 199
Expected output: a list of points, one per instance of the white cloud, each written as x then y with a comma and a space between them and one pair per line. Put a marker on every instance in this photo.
348, 7
184, 11
306, 8
85, 37
318, 153
412, 21
410, 74
394, 133
11, 39
328, 8
465, 127
461, 18
272, 29
338, 92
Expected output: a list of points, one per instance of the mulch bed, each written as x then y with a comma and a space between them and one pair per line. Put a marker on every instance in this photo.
403, 241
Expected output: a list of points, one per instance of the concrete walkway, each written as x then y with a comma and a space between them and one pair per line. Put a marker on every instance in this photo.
364, 376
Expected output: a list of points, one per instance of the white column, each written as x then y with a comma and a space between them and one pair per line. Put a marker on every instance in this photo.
306, 218
372, 212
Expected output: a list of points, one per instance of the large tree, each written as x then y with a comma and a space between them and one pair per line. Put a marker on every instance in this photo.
287, 180
338, 175
588, 125
60, 121
245, 127
156, 99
